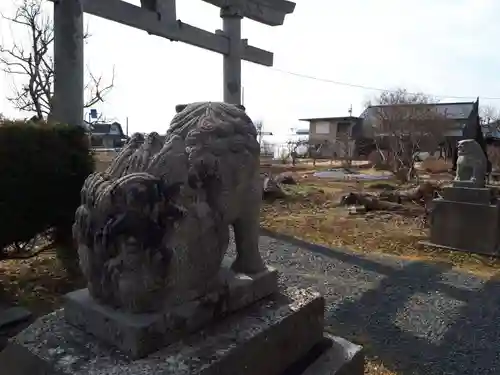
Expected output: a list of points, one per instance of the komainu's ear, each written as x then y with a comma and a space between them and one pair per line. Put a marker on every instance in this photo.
241, 106
180, 107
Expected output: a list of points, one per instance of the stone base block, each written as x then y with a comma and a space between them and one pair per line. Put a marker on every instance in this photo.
340, 357
466, 194
267, 338
465, 226
12, 315
141, 334
469, 184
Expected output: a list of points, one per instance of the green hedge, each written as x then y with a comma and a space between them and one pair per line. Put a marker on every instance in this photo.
42, 169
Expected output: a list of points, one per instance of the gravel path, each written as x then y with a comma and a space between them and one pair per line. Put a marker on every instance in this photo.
415, 317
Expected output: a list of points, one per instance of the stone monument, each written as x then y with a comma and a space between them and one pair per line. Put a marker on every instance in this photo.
467, 217
163, 297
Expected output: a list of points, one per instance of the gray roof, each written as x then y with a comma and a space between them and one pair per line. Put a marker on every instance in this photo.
451, 111
341, 118
302, 132
105, 128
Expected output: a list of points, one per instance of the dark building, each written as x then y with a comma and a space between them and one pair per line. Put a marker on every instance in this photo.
453, 122
106, 135
331, 136
459, 120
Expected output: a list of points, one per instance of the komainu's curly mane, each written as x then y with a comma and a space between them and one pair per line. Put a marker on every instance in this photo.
153, 228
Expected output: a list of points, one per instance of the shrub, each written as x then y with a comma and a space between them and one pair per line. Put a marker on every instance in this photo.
42, 169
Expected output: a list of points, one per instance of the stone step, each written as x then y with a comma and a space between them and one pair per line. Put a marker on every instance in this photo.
280, 335
12, 315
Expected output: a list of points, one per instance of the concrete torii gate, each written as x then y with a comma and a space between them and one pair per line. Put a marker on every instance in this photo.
157, 17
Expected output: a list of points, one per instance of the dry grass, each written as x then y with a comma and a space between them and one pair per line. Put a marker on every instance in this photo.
103, 159
311, 212
433, 165
37, 283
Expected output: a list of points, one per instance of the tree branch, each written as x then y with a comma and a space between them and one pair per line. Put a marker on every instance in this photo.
96, 90
34, 65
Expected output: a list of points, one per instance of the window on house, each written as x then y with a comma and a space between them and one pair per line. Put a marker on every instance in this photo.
343, 128
96, 141
322, 128
113, 129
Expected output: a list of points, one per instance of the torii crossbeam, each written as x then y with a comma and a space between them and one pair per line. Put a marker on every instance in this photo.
157, 17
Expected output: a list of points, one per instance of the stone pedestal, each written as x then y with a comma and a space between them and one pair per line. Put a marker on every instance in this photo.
12, 315
282, 334
138, 335
466, 219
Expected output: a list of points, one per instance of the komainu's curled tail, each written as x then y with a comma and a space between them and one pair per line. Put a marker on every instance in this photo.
153, 228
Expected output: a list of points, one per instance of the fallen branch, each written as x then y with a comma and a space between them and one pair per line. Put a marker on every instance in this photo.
271, 189
422, 192
370, 202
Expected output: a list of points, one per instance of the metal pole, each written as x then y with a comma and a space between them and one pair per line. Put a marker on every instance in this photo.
68, 62
231, 26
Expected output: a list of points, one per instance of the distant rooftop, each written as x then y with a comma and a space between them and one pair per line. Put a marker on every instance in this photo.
452, 111
104, 128
302, 131
341, 118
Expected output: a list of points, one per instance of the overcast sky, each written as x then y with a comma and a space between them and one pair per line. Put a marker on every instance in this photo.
442, 47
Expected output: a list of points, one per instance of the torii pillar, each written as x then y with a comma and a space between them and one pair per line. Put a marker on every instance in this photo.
231, 27
68, 99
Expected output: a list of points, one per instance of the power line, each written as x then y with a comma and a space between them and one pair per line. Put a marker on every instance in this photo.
371, 87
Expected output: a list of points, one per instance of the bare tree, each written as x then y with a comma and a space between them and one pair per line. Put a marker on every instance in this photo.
291, 147
266, 148
32, 62
317, 151
289, 150
344, 149
490, 118
403, 124
489, 114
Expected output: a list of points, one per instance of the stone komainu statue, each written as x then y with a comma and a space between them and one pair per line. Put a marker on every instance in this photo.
471, 162
152, 229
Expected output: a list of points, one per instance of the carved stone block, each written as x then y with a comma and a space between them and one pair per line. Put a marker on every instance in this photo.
141, 334
467, 194
155, 224
465, 226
